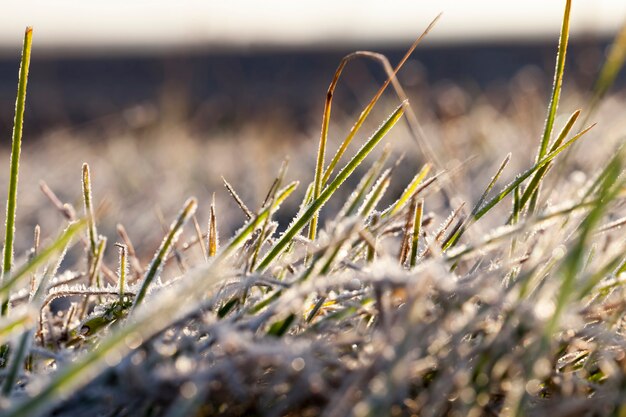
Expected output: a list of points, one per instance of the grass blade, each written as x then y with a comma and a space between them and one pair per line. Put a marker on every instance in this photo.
558, 82
366, 111
454, 238
409, 191
532, 191
41, 258
170, 239
321, 176
16, 147
243, 234
302, 220
352, 203
374, 197
521, 178
417, 229
123, 267
87, 200
213, 238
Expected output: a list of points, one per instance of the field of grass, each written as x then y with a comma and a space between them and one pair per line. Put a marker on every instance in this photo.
460, 259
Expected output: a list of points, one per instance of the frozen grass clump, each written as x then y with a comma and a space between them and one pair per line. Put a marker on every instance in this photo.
423, 301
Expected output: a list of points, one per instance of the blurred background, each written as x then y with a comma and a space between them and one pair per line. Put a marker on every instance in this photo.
162, 98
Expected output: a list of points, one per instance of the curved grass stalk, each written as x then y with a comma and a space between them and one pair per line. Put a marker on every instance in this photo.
301, 221
16, 147
321, 176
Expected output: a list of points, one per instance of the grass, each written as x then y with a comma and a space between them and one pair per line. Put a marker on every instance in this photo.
401, 303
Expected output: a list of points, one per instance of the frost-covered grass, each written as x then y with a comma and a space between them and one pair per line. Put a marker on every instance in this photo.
467, 289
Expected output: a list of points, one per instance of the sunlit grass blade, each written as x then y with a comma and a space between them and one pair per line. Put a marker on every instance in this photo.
352, 203
16, 147
366, 111
123, 268
41, 258
301, 221
213, 237
377, 193
132, 255
531, 193
87, 201
558, 82
321, 176
460, 252
454, 238
409, 191
254, 223
237, 199
166, 245
521, 178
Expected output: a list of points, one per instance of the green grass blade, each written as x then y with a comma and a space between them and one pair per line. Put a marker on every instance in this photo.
321, 177
377, 193
302, 220
409, 191
558, 82
521, 178
358, 195
41, 258
170, 239
531, 193
16, 147
454, 238
252, 225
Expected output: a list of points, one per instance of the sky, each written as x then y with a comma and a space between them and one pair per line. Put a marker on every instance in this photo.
131, 25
